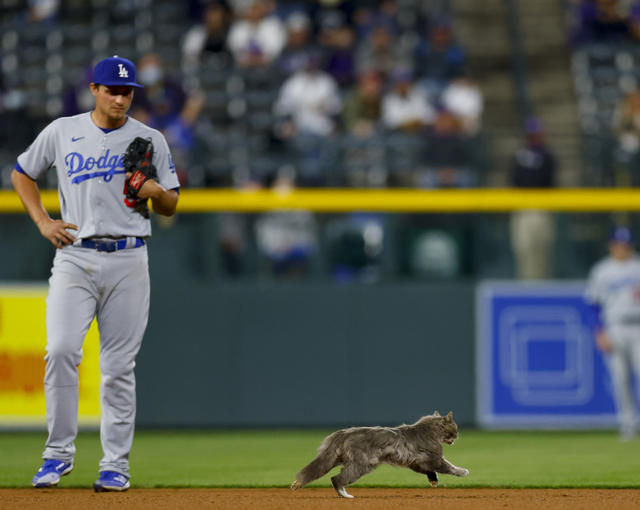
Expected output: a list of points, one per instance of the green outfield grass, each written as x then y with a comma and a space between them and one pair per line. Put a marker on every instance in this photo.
258, 458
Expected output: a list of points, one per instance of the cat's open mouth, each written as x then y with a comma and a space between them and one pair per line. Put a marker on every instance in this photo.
449, 441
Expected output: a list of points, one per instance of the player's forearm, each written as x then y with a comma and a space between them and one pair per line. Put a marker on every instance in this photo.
29, 194
164, 201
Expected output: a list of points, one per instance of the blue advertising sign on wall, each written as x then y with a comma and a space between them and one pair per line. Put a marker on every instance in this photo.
537, 364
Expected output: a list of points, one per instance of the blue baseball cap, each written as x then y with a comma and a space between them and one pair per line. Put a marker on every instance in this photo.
621, 235
115, 71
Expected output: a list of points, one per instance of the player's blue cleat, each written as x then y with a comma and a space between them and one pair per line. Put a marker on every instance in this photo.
50, 473
111, 481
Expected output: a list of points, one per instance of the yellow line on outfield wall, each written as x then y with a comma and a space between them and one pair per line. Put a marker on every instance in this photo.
391, 200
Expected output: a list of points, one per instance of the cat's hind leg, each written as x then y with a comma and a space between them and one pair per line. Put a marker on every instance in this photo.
321, 465
349, 474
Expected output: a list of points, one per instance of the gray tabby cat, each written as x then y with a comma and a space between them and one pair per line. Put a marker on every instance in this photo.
361, 449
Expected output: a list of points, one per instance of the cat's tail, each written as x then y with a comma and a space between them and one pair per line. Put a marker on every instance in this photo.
328, 457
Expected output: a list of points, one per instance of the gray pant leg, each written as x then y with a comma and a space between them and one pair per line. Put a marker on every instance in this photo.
122, 319
620, 368
634, 351
70, 310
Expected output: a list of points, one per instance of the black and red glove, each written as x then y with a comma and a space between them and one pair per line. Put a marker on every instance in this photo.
138, 165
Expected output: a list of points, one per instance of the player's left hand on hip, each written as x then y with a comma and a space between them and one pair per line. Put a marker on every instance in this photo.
57, 232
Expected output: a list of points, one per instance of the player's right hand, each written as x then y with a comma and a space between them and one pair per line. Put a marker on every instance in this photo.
603, 341
56, 232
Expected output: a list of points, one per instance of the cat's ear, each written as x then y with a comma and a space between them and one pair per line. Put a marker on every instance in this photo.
436, 413
449, 417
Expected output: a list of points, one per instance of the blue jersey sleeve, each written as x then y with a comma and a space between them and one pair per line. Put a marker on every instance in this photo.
20, 170
594, 316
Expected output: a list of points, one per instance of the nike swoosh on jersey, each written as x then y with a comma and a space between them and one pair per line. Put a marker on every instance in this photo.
75, 139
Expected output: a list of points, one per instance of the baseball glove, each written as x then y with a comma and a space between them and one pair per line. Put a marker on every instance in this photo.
137, 162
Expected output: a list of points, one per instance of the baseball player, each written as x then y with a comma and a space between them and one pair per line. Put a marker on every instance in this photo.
613, 291
100, 267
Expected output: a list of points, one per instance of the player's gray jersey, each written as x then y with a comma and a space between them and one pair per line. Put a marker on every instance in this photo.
91, 175
615, 285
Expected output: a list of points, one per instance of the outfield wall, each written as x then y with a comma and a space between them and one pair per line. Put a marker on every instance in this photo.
306, 354
267, 353
259, 352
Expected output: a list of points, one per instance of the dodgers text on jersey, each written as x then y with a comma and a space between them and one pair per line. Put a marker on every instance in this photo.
77, 163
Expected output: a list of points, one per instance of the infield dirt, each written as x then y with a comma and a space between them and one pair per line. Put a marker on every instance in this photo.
324, 499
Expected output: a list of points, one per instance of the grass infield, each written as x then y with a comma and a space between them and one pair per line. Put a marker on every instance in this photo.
271, 458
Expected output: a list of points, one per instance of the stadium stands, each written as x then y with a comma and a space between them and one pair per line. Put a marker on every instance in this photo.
236, 143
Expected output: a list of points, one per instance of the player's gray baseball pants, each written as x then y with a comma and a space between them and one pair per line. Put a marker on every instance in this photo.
623, 361
113, 287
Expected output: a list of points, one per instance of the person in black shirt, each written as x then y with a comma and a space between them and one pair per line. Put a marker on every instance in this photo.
532, 230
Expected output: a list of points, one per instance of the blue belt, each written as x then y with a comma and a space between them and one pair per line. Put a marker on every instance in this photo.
109, 245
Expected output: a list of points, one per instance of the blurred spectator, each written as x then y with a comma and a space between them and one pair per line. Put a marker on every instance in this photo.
77, 97
367, 15
463, 98
163, 105
319, 11
355, 245
309, 100
386, 12
287, 240
22, 13
43, 11
363, 19
256, 38
627, 128
179, 132
447, 155
298, 44
308, 106
208, 37
162, 97
406, 107
338, 43
600, 20
406, 116
363, 105
533, 231
439, 58
380, 51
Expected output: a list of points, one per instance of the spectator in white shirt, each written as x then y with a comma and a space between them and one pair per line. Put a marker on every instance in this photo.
463, 98
406, 107
257, 37
310, 99
308, 105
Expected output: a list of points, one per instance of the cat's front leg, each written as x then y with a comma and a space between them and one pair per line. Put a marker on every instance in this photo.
449, 468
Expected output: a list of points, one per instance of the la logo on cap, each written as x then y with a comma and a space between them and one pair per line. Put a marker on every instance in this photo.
115, 71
